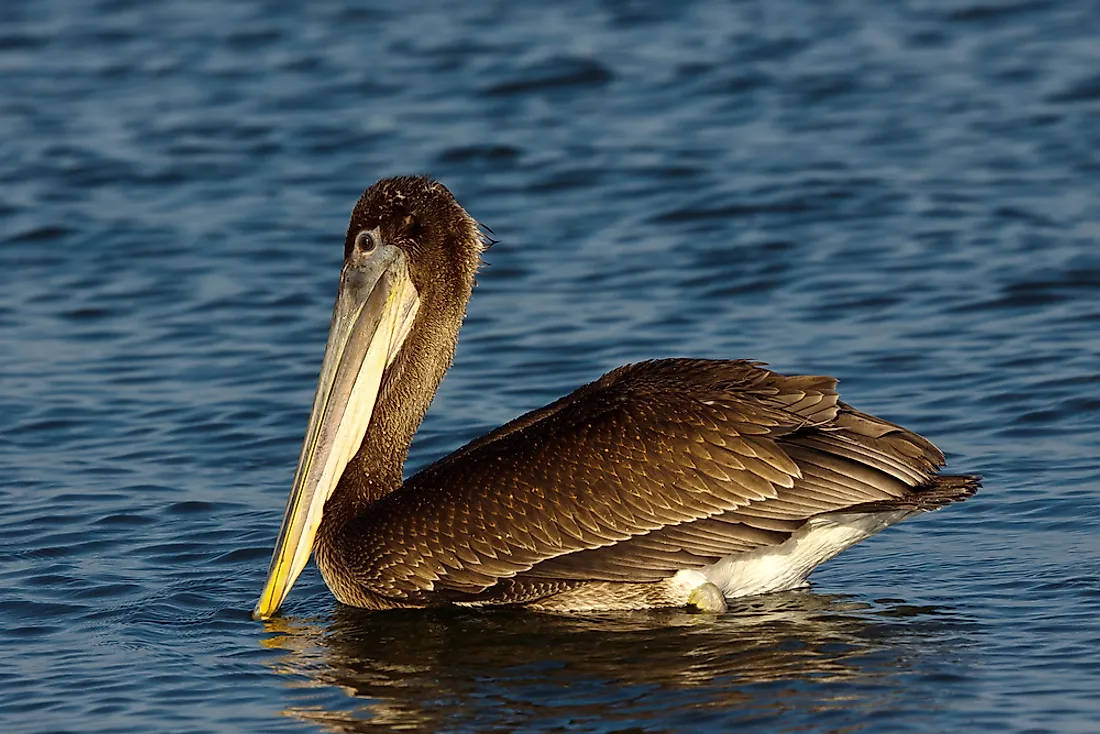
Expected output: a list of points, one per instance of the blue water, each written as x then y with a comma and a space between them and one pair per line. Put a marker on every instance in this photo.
903, 195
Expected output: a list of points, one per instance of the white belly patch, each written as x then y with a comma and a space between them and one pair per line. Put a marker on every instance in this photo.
786, 566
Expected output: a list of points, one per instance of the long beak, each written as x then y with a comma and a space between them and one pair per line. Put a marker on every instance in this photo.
374, 311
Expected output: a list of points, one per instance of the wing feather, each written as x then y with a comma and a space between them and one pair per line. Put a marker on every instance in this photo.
654, 467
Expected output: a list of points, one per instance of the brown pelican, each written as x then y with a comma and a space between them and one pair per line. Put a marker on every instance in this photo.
668, 483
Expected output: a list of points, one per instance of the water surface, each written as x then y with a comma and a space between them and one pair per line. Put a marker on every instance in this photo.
903, 195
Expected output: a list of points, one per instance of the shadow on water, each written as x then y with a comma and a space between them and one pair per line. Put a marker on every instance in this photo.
807, 658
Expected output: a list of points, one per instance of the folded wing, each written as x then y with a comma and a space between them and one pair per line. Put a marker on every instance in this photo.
654, 467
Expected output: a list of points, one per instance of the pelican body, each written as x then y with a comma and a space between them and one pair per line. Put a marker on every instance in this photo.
667, 483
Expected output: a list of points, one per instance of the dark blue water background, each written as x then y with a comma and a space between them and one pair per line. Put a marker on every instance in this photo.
904, 195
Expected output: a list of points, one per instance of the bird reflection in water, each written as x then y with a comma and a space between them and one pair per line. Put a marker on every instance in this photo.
809, 658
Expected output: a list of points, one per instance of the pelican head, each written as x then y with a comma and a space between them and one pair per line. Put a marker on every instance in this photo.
409, 256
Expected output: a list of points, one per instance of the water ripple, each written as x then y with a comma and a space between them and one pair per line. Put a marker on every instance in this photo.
901, 195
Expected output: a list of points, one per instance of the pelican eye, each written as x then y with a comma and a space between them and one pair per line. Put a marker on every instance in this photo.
365, 241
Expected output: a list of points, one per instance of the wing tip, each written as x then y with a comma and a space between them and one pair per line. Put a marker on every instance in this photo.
948, 489
937, 492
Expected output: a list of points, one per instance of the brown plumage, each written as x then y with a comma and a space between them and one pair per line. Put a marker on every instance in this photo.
653, 468
607, 493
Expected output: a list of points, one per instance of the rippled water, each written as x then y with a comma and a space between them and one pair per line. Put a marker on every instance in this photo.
904, 195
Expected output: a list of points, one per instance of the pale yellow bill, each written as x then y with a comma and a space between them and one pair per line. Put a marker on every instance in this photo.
374, 312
